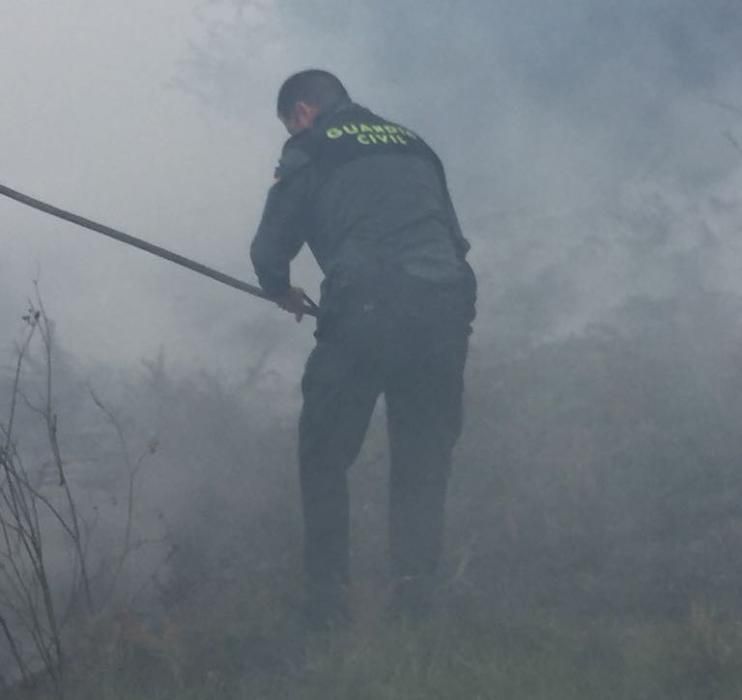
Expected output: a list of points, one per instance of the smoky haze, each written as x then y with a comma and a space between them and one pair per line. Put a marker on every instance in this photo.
551, 120
555, 124
95, 124
594, 153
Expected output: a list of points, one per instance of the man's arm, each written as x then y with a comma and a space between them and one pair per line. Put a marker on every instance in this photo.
282, 229
461, 244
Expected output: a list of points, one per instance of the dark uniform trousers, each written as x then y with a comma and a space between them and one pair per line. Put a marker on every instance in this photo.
406, 338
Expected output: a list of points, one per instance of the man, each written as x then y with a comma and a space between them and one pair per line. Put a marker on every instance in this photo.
370, 199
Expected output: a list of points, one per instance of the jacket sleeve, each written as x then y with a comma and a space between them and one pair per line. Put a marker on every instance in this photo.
283, 226
461, 244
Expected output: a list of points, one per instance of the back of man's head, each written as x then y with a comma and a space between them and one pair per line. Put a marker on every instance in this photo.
314, 87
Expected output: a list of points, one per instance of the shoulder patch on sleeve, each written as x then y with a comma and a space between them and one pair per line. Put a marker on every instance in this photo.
292, 159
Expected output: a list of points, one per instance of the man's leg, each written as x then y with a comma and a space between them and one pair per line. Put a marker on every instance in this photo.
340, 391
424, 413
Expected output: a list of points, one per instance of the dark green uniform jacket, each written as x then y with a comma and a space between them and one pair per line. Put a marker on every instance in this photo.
370, 199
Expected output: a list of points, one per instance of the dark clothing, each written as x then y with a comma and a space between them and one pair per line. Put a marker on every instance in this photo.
370, 199
384, 345
358, 204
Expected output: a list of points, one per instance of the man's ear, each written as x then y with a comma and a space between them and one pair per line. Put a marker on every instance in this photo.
305, 114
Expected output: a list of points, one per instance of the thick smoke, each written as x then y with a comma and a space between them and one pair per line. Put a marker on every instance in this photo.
589, 147
593, 150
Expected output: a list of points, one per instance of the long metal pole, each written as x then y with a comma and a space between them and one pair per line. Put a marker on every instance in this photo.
310, 310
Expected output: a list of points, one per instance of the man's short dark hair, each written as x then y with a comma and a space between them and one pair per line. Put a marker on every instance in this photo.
315, 87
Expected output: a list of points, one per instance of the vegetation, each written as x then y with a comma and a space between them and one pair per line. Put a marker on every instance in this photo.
593, 533
239, 653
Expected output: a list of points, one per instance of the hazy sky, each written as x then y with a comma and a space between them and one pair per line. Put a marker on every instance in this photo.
93, 124
158, 118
